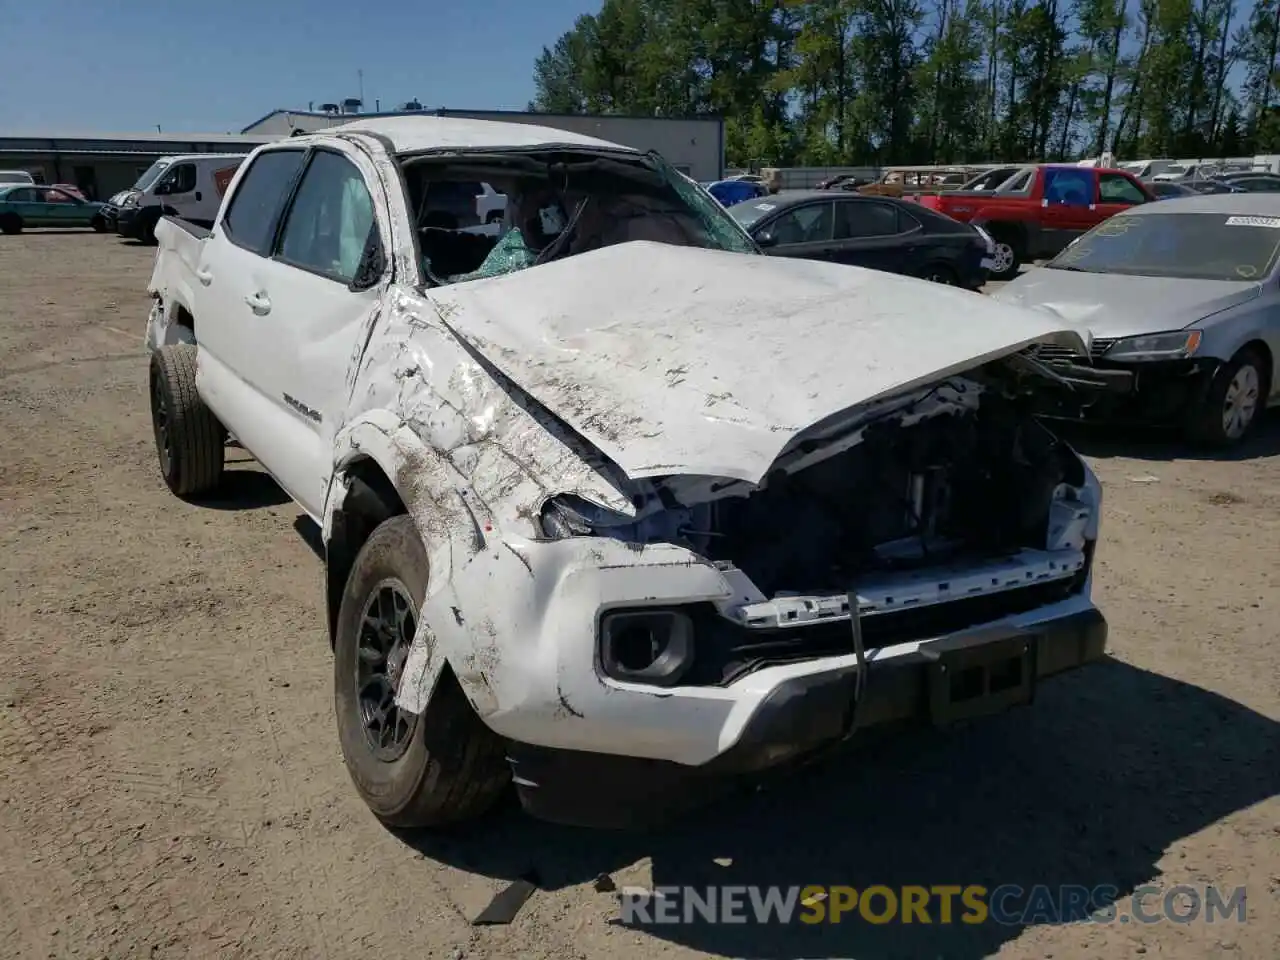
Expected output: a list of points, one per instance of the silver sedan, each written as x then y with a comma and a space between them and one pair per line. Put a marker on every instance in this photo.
1181, 301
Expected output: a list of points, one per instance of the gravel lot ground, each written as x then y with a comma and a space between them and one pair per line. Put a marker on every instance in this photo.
171, 785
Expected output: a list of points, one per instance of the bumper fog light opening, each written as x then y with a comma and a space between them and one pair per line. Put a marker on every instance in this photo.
654, 647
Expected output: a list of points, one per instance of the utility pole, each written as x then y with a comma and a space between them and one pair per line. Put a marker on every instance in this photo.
360, 76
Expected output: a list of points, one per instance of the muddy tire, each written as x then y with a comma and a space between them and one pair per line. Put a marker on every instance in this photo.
10, 223
1234, 402
439, 768
189, 439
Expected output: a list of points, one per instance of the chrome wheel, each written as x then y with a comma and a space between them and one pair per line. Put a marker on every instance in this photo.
1240, 405
386, 631
1001, 257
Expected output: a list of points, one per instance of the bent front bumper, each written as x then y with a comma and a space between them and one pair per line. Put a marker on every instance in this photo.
531, 665
941, 681
1156, 393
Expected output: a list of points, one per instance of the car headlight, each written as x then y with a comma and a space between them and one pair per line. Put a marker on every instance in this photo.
987, 239
130, 200
569, 515
1155, 346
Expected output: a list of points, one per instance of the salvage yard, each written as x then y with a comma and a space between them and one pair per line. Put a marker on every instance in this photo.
171, 783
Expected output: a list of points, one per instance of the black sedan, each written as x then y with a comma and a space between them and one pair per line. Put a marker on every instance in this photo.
1168, 190
882, 233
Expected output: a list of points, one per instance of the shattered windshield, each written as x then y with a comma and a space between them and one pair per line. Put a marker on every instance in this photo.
553, 203
1199, 246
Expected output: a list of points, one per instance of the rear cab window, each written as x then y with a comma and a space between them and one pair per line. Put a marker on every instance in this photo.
1070, 186
254, 212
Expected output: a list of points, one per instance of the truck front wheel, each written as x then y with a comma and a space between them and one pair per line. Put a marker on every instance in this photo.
189, 439
440, 767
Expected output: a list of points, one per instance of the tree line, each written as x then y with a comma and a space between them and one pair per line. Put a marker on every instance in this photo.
835, 82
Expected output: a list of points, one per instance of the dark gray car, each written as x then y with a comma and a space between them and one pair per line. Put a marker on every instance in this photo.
1182, 300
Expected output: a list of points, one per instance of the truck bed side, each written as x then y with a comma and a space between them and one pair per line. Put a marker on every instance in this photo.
173, 282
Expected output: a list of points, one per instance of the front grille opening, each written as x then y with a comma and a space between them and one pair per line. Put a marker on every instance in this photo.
726, 651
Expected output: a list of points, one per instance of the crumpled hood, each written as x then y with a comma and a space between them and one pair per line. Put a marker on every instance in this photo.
682, 360
1113, 305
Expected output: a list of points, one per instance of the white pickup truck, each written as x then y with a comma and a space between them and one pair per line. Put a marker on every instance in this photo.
614, 507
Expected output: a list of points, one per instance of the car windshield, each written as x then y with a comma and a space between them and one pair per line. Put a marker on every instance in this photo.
151, 175
7, 176
559, 203
1200, 246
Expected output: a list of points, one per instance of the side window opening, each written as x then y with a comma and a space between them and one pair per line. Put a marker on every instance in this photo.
1113, 188
811, 223
860, 219
1072, 187
329, 222
250, 221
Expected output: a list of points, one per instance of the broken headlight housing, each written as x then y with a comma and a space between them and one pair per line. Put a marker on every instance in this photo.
1176, 345
569, 515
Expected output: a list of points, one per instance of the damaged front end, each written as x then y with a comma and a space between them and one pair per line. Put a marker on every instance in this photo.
941, 510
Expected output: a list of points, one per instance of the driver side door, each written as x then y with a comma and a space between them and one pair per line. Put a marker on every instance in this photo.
326, 274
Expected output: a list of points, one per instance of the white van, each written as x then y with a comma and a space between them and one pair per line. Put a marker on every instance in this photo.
190, 187
16, 176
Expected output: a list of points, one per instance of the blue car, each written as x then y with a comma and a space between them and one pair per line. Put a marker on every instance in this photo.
729, 192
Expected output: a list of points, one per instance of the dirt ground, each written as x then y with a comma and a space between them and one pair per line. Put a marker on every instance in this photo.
171, 784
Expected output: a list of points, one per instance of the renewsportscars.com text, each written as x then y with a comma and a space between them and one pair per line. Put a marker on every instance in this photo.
1008, 904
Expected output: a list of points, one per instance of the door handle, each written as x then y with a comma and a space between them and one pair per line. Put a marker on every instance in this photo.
259, 303
198, 195
204, 276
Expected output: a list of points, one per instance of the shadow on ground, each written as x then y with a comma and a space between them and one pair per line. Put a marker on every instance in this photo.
310, 533
244, 489
1090, 786
1161, 444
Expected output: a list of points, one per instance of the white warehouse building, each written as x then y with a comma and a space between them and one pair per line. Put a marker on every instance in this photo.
101, 164
693, 145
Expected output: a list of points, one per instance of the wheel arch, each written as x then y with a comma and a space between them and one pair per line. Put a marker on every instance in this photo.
382, 469
1260, 346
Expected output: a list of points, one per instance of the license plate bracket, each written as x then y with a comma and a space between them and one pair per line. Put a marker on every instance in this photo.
978, 674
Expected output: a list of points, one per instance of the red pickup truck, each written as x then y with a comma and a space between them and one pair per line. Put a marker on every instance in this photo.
1038, 209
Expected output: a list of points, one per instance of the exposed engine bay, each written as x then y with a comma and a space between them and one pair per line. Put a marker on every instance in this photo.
969, 482
958, 471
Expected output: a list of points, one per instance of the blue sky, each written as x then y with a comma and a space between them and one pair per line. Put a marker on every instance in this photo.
214, 66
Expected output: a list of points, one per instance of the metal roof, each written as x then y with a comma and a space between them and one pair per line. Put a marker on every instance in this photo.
410, 133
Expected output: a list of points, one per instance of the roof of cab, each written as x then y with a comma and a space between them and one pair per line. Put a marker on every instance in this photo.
415, 134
